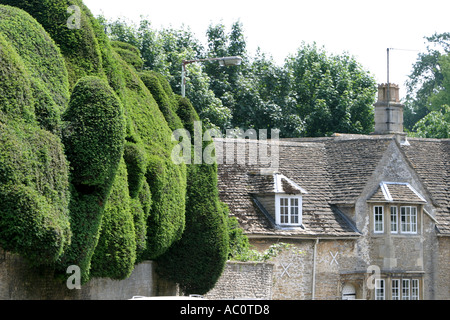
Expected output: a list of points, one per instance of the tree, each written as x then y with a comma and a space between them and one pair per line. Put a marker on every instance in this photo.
425, 79
436, 124
333, 93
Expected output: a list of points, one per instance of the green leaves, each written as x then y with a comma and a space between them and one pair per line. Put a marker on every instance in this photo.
95, 132
333, 93
436, 124
426, 105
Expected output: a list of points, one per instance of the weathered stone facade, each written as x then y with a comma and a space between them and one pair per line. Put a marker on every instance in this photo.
375, 213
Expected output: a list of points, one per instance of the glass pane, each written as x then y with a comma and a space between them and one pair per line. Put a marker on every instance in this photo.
415, 289
378, 219
394, 224
395, 289
405, 289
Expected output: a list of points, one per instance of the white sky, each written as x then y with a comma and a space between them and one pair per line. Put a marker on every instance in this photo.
361, 28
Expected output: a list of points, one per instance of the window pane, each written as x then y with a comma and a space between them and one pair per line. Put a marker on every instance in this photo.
379, 289
405, 289
284, 210
394, 223
408, 217
294, 210
289, 210
405, 217
378, 219
415, 289
414, 219
395, 289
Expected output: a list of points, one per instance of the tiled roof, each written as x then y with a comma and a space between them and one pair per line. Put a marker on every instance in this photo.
396, 192
333, 171
302, 162
430, 158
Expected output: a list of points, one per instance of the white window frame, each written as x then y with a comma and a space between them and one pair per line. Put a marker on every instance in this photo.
408, 220
290, 215
415, 285
376, 222
380, 289
395, 289
406, 289
394, 219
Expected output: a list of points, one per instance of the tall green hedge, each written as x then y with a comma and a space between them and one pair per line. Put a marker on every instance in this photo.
165, 100
16, 96
115, 253
42, 58
149, 137
34, 193
197, 260
34, 189
129, 54
94, 135
86, 175
94, 138
79, 46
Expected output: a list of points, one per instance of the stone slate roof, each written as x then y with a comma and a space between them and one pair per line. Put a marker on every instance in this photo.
430, 158
396, 192
333, 171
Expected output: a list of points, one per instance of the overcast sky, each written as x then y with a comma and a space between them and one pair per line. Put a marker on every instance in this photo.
364, 29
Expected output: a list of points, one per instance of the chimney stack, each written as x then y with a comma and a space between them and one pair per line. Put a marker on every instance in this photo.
388, 110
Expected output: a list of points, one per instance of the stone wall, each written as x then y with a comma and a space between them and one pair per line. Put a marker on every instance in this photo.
443, 273
20, 282
244, 280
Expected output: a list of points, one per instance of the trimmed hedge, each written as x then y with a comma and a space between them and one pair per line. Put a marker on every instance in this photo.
94, 137
16, 97
122, 200
34, 188
34, 193
197, 260
40, 54
79, 46
164, 99
148, 131
115, 253
129, 54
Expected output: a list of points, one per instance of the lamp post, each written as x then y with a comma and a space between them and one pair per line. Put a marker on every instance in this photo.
224, 62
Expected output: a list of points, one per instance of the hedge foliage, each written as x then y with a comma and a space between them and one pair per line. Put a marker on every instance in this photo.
197, 260
34, 193
129, 54
94, 139
115, 253
86, 175
34, 188
94, 134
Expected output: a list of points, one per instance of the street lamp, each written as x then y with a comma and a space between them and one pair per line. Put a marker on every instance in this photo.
224, 62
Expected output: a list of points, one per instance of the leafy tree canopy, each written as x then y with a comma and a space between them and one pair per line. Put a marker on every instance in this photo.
312, 94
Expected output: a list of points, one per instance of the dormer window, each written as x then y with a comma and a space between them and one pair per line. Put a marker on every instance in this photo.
395, 208
288, 210
279, 198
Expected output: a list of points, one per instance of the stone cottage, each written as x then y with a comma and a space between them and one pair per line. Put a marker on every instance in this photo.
367, 216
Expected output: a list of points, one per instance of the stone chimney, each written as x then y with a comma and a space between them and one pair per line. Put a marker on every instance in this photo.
388, 114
